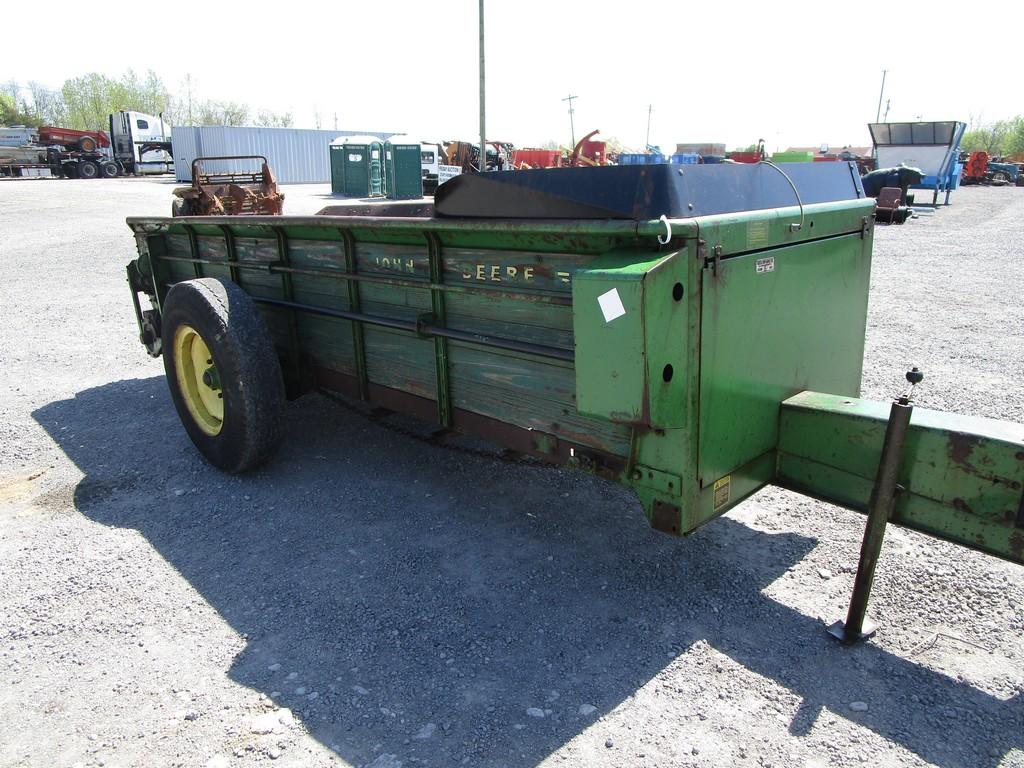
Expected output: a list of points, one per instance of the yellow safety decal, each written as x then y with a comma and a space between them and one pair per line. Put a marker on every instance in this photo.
722, 492
757, 233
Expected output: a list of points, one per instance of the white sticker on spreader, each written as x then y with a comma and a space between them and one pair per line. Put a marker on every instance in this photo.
766, 265
611, 305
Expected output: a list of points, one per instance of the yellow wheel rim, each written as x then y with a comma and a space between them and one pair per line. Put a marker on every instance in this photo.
198, 381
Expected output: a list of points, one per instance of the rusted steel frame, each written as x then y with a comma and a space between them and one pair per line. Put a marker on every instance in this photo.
232, 253
444, 404
193, 247
427, 330
517, 439
563, 301
288, 291
355, 304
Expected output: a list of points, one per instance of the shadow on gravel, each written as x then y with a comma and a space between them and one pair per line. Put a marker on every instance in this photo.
409, 584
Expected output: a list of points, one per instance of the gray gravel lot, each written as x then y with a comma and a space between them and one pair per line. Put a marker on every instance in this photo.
369, 599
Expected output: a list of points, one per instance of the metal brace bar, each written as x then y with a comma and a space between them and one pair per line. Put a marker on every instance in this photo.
358, 340
289, 295
437, 302
231, 252
193, 246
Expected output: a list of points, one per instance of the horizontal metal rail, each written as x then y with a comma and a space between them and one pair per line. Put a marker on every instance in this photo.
423, 329
426, 330
278, 268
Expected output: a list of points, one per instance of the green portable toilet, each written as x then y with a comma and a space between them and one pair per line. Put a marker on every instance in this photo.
361, 166
403, 168
337, 155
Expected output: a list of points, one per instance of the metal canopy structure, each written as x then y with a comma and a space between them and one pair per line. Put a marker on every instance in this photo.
934, 147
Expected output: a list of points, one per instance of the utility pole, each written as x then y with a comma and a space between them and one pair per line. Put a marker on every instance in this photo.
483, 124
881, 93
885, 117
572, 127
647, 142
335, 121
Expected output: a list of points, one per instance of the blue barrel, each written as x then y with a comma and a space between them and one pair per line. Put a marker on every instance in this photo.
712, 158
641, 158
685, 158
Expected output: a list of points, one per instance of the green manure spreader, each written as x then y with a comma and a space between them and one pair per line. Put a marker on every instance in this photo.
693, 333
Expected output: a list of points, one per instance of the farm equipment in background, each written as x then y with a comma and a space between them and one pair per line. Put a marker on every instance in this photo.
52, 151
750, 156
981, 168
466, 155
588, 152
229, 193
136, 144
933, 147
530, 157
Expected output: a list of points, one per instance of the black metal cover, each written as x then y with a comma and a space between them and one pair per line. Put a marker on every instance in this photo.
644, 192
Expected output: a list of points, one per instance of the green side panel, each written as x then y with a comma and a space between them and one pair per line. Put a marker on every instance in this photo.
527, 392
404, 171
774, 323
963, 476
611, 373
629, 320
400, 360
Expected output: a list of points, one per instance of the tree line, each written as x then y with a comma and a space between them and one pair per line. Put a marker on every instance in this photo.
1001, 138
84, 103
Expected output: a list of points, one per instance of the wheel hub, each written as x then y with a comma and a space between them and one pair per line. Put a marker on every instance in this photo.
198, 380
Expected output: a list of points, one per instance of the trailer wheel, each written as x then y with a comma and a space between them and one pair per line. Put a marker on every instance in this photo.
223, 373
87, 144
109, 170
87, 169
70, 170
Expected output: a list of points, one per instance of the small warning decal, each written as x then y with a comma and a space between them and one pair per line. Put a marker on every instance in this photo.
611, 305
757, 233
766, 264
722, 492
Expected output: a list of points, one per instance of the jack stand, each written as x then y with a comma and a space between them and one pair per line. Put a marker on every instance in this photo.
883, 495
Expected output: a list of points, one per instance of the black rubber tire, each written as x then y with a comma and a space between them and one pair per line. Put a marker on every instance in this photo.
109, 170
70, 170
87, 169
247, 365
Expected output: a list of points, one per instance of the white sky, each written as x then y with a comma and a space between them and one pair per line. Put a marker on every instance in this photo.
793, 73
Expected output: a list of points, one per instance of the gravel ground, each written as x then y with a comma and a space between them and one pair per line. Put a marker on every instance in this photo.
372, 600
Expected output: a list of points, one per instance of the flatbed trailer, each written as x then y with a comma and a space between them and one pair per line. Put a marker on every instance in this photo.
694, 355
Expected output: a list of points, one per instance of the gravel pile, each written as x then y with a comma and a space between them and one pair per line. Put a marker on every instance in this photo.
369, 599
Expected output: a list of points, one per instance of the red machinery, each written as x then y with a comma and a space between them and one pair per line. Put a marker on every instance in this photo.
587, 152
86, 141
536, 158
754, 156
975, 169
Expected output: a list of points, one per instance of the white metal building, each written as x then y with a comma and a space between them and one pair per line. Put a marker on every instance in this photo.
296, 155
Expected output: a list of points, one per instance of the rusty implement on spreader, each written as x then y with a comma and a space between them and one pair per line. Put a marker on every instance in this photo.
229, 193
